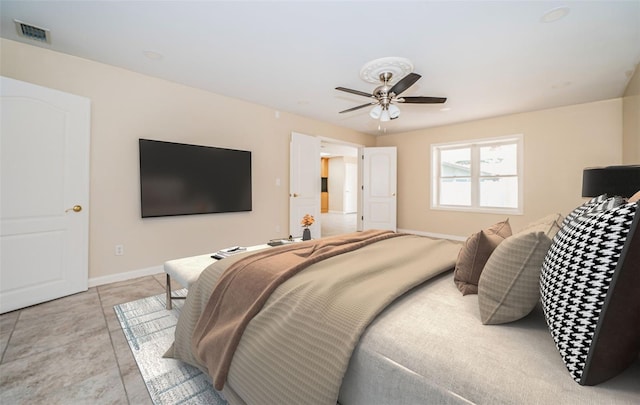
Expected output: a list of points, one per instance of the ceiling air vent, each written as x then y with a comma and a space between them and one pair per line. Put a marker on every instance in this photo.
33, 32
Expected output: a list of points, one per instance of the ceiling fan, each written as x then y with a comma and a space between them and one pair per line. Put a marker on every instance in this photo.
385, 96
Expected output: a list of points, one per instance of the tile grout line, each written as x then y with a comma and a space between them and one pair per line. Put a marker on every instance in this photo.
113, 347
13, 329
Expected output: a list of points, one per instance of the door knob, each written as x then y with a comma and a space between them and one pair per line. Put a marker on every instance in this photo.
295, 195
76, 208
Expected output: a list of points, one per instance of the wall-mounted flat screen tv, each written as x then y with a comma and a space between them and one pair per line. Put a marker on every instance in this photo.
181, 179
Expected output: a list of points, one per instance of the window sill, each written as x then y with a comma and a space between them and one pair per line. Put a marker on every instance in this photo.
478, 210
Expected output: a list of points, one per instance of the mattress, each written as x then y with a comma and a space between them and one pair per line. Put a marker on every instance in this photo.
430, 347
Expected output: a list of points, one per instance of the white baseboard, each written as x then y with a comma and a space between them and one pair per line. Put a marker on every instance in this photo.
113, 278
435, 235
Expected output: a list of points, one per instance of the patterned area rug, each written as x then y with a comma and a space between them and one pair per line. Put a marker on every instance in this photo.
149, 328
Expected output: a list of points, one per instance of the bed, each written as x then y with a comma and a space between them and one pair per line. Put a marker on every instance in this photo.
424, 342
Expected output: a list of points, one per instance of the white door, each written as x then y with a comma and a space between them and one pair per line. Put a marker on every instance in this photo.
304, 183
379, 188
45, 174
350, 188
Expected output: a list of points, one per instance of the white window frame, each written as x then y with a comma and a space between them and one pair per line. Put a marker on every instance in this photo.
475, 145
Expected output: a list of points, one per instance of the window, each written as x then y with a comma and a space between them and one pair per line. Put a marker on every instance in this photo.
483, 175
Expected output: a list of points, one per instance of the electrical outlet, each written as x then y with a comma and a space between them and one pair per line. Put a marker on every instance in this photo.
119, 250
277, 228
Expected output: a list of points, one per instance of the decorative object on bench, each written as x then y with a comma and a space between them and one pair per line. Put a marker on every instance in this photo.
307, 221
279, 242
222, 253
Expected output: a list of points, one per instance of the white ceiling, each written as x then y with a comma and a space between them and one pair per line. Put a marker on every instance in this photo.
489, 58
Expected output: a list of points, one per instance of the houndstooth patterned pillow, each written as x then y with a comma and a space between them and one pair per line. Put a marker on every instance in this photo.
577, 282
573, 216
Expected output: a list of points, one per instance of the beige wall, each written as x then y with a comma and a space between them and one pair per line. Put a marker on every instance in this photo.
126, 106
558, 144
631, 120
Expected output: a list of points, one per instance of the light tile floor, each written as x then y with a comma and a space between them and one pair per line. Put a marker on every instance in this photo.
336, 224
72, 350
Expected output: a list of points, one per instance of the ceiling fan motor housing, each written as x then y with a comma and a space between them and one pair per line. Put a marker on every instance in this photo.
382, 92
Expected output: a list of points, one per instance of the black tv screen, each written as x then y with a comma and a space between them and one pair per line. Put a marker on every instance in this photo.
181, 179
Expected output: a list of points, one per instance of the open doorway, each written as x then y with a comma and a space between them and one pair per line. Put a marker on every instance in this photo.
376, 172
339, 197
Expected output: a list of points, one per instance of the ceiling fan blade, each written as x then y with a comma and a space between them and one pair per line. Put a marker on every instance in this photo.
422, 100
405, 83
359, 93
357, 108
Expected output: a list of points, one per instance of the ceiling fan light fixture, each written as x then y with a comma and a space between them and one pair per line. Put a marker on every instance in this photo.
394, 111
376, 112
384, 117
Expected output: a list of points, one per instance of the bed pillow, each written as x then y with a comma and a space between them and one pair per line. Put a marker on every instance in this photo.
509, 286
475, 253
589, 287
581, 209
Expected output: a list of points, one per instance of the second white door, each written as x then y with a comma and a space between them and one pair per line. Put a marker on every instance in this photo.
379, 184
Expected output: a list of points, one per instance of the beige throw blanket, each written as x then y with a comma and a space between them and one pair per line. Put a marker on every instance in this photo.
297, 349
244, 287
